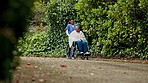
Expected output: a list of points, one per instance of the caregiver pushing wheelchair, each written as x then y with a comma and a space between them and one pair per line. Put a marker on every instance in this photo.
77, 41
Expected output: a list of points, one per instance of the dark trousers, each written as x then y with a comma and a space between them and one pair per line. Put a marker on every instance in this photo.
82, 46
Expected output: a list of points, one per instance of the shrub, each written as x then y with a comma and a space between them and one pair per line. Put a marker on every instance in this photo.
118, 28
53, 41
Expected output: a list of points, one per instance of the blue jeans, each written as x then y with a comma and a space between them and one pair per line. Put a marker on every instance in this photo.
82, 46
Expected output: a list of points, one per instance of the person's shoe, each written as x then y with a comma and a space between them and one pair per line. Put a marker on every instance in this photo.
87, 53
73, 58
68, 57
82, 57
80, 52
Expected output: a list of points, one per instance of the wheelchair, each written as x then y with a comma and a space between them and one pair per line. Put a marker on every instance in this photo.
75, 52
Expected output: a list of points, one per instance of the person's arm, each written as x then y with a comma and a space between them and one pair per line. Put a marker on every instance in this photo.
83, 36
67, 32
68, 29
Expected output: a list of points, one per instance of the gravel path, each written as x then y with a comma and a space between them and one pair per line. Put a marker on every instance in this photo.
62, 70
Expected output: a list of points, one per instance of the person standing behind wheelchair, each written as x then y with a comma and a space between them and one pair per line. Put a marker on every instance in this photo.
69, 29
78, 37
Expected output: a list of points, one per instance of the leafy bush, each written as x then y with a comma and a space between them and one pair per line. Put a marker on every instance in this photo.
37, 13
118, 28
58, 13
42, 44
53, 41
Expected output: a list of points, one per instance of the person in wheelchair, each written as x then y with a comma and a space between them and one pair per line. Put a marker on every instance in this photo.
77, 37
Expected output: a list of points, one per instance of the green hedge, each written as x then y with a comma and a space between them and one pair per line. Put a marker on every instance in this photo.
42, 44
118, 28
53, 41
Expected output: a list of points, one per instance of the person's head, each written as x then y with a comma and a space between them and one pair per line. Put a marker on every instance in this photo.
77, 29
72, 21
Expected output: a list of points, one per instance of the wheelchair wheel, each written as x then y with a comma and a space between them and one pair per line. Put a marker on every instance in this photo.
82, 57
86, 57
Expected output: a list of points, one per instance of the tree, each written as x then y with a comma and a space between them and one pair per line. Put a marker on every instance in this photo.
13, 15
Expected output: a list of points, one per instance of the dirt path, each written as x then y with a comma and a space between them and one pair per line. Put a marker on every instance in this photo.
62, 70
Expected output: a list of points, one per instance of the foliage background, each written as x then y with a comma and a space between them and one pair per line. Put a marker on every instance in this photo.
117, 28
52, 41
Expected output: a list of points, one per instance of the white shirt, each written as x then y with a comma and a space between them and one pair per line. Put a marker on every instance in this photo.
76, 36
